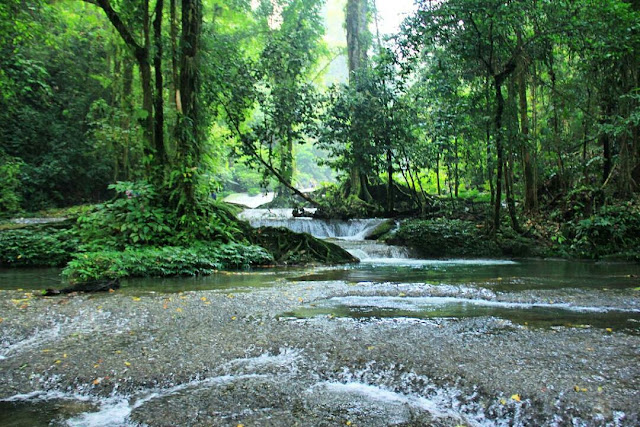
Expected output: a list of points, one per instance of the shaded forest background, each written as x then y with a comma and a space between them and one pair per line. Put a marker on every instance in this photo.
531, 107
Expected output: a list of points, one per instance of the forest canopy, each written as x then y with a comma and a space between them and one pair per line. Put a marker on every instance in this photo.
521, 104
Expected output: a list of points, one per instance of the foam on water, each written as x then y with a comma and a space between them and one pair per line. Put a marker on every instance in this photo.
410, 262
38, 338
420, 303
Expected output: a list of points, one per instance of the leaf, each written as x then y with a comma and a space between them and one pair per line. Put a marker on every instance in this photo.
127, 364
516, 397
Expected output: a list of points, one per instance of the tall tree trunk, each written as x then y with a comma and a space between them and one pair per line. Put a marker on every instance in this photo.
530, 190
456, 160
438, 173
173, 34
127, 105
188, 149
158, 132
508, 185
145, 75
141, 53
488, 142
390, 192
605, 140
497, 121
356, 26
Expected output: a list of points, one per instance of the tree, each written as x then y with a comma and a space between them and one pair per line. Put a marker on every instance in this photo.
287, 99
358, 42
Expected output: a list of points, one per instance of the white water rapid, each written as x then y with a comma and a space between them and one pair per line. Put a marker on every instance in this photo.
349, 234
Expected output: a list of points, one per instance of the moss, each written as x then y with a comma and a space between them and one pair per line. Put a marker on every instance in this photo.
381, 231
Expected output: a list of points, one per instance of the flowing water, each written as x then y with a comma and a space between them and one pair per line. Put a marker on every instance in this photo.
393, 340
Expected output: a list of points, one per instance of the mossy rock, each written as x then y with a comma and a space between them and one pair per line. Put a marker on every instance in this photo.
381, 231
291, 248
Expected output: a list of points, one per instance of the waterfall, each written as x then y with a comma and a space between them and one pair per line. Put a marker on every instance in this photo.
349, 234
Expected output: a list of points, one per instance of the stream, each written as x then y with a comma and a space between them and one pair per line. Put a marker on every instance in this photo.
393, 340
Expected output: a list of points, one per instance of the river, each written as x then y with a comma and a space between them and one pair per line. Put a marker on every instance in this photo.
393, 340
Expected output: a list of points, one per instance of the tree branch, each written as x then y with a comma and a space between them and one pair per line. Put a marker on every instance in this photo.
266, 164
138, 51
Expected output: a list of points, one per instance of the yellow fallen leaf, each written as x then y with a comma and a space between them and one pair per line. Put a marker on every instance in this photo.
240, 425
64, 356
97, 381
203, 299
579, 389
300, 299
127, 364
19, 256
503, 401
233, 318
600, 389
118, 351
179, 310
165, 306
348, 423
516, 397
371, 347
402, 294
58, 362
111, 291
96, 366
99, 307
135, 298
609, 330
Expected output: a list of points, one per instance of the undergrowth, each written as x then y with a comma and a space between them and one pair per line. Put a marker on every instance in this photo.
198, 259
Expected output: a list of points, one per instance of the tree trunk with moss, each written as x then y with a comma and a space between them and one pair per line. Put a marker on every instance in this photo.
188, 127
357, 45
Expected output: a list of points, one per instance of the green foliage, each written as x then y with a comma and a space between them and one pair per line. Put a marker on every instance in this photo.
9, 185
610, 230
199, 259
37, 246
137, 217
131, 218
446, 238
45, 57
333, 204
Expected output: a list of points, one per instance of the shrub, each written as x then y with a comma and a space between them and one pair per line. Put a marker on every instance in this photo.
610, 230
200, 259
37, 246
445, 238
131, 218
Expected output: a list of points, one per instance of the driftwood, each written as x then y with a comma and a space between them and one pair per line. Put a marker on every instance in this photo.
90, 286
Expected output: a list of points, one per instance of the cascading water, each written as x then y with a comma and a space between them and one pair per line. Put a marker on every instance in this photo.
349, 234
